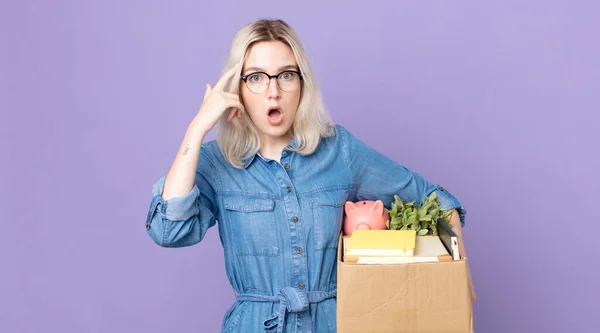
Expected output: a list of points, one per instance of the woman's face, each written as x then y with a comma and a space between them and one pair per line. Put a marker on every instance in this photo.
271, 103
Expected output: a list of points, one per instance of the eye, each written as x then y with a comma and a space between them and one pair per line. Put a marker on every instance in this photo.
255, 78
287, 76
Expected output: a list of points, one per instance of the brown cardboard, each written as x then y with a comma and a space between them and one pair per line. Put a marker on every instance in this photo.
409, 298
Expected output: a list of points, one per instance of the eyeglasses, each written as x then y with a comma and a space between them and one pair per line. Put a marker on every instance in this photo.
258, 82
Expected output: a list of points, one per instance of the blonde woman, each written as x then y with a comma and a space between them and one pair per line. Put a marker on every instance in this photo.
275, 180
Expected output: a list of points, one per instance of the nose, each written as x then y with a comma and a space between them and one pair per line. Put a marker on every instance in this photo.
273, 89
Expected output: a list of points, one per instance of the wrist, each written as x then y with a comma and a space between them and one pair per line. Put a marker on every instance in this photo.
196, 132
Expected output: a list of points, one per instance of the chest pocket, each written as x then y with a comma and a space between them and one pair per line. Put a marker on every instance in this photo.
252, 220
328, 212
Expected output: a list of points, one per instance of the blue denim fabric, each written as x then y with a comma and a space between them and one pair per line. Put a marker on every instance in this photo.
279, 224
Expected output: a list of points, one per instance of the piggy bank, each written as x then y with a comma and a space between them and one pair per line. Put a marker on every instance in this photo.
366, 214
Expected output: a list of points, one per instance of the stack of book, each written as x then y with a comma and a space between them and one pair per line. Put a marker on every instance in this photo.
398, 246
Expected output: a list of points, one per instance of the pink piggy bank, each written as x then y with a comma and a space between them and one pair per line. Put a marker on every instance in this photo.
366, 214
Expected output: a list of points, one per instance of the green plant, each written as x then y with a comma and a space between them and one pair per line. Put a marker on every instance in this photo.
421, 218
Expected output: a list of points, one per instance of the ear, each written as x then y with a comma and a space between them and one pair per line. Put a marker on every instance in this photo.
378, 207
349, 206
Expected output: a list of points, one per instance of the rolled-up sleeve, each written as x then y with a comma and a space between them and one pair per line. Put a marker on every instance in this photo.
375, 176
182, 221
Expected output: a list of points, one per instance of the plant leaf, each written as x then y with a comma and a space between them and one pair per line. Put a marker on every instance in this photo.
422, 232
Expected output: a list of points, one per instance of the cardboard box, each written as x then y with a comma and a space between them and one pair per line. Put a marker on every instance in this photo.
409, 298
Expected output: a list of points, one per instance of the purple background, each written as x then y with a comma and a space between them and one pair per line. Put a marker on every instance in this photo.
497, 101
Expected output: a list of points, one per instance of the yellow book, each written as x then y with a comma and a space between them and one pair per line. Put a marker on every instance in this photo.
381, 243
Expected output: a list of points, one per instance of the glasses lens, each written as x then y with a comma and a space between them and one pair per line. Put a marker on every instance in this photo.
257, 83
288, 81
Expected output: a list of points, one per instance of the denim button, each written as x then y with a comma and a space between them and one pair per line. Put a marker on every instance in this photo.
286, 165
295, 218
301, 285
299, 250
288, 189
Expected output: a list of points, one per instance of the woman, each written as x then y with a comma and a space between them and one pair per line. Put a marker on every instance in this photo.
276, 180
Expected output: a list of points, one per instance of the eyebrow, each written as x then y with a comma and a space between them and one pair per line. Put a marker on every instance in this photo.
258, 69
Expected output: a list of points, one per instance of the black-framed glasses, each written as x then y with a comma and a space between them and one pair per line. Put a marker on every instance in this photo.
258, 82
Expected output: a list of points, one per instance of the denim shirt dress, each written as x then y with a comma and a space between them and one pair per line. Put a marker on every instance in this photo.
279, 224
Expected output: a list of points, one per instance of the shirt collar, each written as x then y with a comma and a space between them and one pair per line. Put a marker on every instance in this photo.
248, 160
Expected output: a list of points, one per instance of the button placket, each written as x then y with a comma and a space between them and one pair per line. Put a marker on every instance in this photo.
299, 269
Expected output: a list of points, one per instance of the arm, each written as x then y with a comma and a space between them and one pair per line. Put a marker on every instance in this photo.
177, 220
183, 205
375, 176
180, 178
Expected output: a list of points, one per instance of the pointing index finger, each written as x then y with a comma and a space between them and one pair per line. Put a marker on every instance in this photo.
228, 75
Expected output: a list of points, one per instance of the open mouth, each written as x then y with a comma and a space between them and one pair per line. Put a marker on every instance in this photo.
275, 115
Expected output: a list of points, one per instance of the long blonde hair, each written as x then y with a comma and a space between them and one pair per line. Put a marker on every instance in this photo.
240, 138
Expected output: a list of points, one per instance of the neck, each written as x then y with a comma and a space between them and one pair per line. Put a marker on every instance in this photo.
272, 146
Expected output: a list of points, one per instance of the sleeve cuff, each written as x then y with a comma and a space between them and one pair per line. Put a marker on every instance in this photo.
178, 208
449, 201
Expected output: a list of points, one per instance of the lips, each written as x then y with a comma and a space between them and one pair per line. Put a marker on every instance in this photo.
275, 115
273, 109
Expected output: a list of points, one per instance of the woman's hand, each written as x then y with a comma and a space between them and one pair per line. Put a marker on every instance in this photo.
216, 102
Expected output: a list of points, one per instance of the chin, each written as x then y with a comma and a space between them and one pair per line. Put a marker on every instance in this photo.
276, 131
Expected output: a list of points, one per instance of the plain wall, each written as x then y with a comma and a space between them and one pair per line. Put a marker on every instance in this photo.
495, 100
